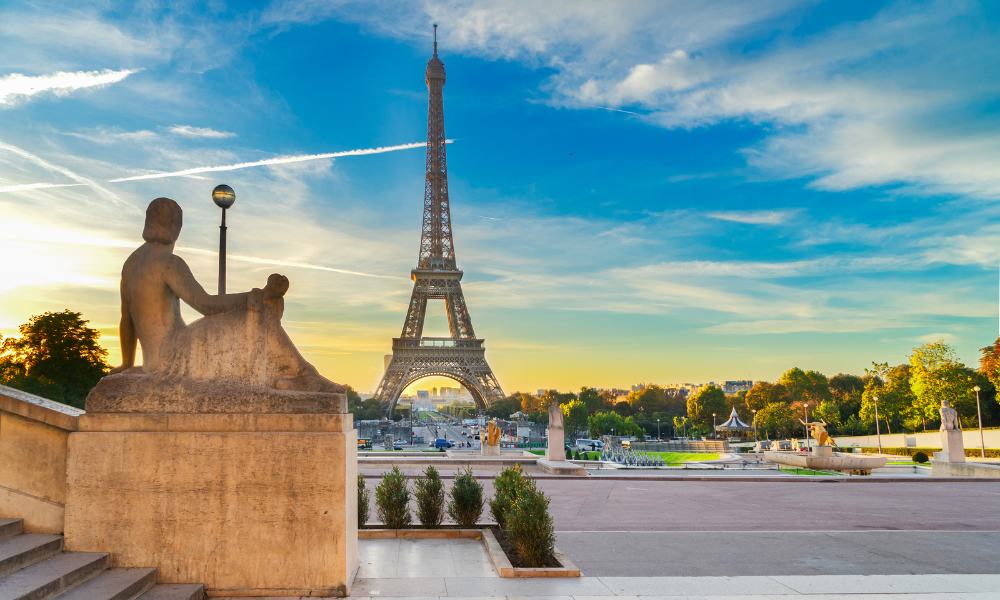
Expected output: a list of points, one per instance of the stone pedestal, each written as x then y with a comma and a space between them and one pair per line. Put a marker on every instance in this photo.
952, 447
556, 450
487, 450
248, 504
822, 450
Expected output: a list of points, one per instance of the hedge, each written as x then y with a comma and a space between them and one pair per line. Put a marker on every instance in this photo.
970, 452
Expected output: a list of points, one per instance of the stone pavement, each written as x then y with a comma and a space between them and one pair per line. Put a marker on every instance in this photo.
453, 569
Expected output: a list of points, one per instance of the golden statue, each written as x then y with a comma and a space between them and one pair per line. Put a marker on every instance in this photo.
491, 437
817, 429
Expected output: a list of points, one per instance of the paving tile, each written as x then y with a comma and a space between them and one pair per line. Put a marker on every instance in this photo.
569, 586
666, 587
396, 586
890, 584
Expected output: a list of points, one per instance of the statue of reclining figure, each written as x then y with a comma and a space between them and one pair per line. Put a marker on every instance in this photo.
237, 358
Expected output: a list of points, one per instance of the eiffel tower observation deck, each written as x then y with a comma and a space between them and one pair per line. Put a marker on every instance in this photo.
461, 356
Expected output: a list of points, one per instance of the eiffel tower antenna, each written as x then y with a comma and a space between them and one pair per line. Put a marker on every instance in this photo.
435, 39
461, 356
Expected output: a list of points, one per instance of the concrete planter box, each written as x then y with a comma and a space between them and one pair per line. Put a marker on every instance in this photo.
498, 557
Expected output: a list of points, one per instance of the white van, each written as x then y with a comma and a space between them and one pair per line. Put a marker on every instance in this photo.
584, 444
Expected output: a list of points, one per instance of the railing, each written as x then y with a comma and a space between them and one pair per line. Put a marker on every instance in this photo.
436, 342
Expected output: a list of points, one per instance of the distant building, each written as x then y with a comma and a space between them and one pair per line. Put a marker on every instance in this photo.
736, 386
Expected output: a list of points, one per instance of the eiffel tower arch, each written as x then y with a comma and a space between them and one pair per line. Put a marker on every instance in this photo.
461, 356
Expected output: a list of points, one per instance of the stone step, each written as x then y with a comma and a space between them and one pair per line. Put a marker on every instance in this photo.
10, 527
174, 591
113, 584
27, 549
50, 577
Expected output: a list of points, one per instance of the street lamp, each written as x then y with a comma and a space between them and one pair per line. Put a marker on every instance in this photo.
754, 423
658, 430
878, 428
714, 433
805, 426
224, 197
979, 413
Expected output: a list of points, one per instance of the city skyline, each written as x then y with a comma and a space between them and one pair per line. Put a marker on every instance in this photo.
651, 193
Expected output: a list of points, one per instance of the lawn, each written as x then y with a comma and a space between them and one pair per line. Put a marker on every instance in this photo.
679, 458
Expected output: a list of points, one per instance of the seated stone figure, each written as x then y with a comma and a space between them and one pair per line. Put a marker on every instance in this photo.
236, 358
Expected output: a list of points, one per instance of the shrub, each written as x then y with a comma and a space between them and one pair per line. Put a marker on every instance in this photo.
466, 499
569, 454
392, 500
364, 501
429, 491
530, 528
920, 457
505, 490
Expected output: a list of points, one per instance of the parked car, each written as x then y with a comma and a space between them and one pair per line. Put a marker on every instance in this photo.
583, 444
442, 443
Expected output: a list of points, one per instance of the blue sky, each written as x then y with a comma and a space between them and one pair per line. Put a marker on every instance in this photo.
642, 191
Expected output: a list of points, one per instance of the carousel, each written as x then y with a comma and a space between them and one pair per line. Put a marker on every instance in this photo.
733, 428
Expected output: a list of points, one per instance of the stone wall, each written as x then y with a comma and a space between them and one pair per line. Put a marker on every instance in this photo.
928, 439
33, 441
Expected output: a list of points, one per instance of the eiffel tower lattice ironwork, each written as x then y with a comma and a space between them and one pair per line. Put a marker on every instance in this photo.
461, 356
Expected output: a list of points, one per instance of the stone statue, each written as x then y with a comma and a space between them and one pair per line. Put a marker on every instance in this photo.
493, 434
817, 429
556, 438
236, 358
949, 417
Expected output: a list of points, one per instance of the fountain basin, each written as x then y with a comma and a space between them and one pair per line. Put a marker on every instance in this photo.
823, 458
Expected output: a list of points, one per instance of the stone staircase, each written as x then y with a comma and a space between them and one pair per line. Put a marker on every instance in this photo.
33, 566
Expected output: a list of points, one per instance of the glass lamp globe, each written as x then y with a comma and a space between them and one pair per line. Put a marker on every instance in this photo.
223, 196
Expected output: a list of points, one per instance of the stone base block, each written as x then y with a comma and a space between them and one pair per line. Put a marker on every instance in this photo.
261, 506
952, 447
822, 450
487, 450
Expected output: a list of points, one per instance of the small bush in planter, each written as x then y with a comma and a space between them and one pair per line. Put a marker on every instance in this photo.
466, 499
530, 528
364, 501
569, 454
429, 491
392, 500
920, 457
505, 490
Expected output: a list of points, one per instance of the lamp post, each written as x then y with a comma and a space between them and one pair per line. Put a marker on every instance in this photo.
715, 434
805, 427
224, 197
754, 423
878, 428
979, 414
658, 430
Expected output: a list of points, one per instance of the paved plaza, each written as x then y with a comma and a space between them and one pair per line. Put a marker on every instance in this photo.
425, 569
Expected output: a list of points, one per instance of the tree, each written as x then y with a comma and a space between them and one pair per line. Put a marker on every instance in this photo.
846, 391
989, 364
363, 410
703, 403
57, 356
805, 386
504, 408
776, 419
828, 412
602, 423
649, 399
895, 396
936, 375
592, 399
574, 416
763, 393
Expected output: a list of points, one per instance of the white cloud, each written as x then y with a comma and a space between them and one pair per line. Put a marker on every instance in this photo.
200, 132
754, 217
16, 87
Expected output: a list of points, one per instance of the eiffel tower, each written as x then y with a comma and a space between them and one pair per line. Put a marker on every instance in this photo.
460, 356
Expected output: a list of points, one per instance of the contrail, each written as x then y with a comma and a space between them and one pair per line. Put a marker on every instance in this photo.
286, 263
62, 171
277, 160
24, 187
